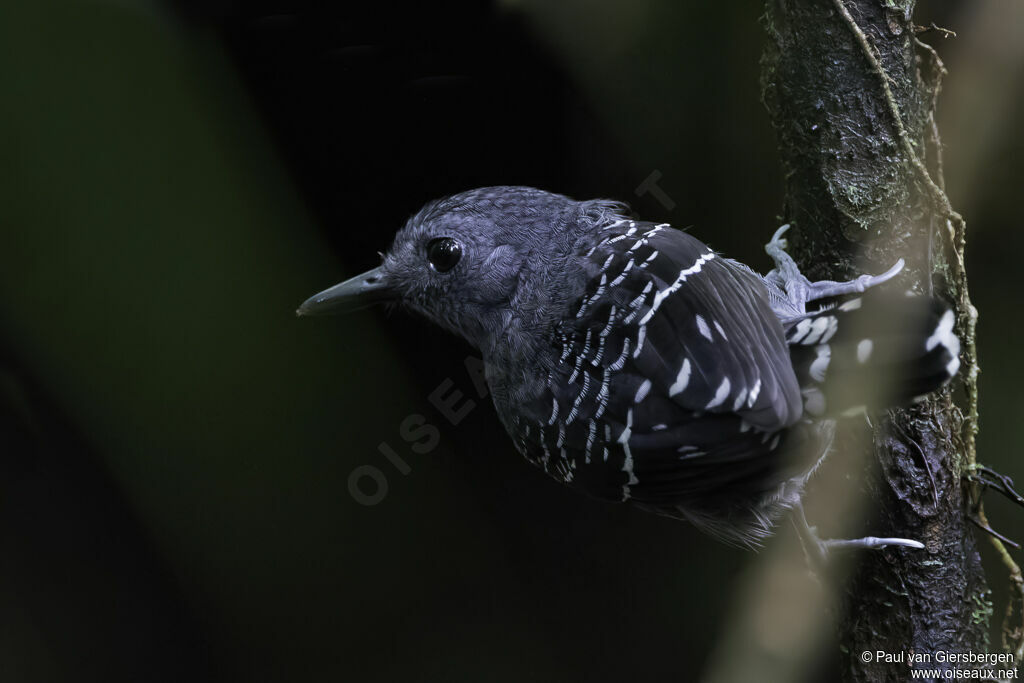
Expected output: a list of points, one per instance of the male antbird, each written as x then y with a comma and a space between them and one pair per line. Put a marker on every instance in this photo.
631, 361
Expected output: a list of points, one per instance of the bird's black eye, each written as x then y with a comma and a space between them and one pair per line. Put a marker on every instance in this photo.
443, 253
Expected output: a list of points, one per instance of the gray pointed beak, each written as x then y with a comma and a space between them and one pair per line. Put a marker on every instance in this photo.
351, 295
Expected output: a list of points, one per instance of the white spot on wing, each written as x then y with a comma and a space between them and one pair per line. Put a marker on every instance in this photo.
703, 327
802, 328
641, 393
833, 325
640, 337
682, 379
740, 399
720, 395
753, 394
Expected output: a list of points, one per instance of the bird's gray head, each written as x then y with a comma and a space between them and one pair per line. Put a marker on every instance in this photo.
484, 264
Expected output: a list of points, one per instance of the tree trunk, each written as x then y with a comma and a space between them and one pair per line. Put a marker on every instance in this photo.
851, 94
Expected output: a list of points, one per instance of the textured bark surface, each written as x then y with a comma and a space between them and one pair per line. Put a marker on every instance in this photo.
857, 202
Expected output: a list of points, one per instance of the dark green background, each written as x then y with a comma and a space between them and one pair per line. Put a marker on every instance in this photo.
176, 445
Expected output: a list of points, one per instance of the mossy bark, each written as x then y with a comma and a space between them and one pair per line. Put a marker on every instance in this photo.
863, 189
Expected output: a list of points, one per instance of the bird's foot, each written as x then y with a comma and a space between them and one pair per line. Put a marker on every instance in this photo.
820, 550
799, 290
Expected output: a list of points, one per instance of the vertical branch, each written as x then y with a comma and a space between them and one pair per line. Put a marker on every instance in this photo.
853, 117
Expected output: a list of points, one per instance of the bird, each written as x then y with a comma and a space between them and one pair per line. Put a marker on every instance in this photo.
631, 361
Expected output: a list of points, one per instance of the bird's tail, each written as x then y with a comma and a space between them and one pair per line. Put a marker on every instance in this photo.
875, 351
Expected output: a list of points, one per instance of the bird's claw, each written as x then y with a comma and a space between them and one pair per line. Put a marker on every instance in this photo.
777, 237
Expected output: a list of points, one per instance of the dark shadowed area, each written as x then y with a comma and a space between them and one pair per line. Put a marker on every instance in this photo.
176, 447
